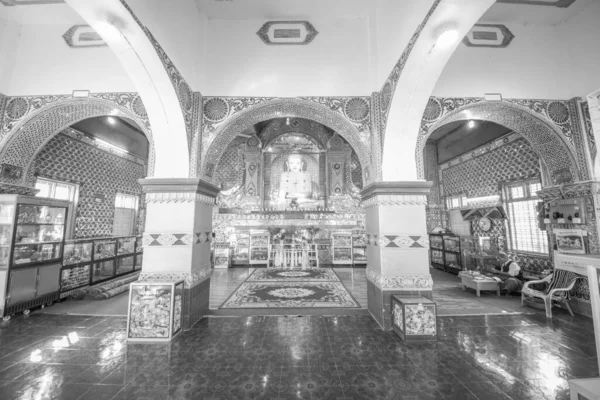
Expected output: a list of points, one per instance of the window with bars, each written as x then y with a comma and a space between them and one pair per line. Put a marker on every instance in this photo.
522, 206
125, 214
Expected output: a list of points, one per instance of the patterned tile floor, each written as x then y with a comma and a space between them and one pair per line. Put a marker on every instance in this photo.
47, 356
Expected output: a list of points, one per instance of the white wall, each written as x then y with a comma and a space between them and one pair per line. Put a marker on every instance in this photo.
180, 28
9, 37
545, 62
335, 63
45, 64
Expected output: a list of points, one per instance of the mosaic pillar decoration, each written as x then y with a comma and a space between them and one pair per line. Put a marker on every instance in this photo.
397, 244
252, 173
177, 238
594, 121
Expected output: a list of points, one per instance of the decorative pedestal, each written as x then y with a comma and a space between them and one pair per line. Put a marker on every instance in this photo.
397, 245
155, 311
414, 318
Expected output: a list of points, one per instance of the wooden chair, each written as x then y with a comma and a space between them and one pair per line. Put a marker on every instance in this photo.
559, 294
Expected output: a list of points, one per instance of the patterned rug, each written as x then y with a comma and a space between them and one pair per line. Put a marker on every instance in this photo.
295, 275
272, 293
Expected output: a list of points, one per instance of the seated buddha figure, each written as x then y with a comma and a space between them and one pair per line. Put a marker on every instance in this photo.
295, 182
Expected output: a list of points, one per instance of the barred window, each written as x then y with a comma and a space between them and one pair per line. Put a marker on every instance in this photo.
522, 206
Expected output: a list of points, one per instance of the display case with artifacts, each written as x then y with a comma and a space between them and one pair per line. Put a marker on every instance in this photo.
104, 249
126, 245
342, 247
32, 230
155, 310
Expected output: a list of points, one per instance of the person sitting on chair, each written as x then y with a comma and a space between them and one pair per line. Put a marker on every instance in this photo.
511, 275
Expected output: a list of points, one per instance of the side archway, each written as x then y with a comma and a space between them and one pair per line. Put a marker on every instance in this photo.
282, 108
546, 140
28, 137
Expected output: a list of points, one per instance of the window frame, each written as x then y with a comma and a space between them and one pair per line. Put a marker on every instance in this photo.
71, 220
528, 196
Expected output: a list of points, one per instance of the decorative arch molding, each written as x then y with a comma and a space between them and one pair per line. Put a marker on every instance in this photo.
532, 119
217, 141
310, 128
30, 123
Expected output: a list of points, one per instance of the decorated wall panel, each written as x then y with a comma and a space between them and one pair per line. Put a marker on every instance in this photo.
480, 176
550, 126
30, 122
100, 176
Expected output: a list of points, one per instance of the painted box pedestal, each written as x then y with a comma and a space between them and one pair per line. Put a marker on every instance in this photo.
155, 310
414, 318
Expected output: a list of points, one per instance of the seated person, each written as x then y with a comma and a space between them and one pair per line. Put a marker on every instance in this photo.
511, 275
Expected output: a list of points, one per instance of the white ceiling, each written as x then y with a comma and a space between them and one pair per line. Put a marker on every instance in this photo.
534, 14
281, 9
41, 14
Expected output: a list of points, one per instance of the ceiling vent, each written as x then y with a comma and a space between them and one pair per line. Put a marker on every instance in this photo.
287, 32
489, 35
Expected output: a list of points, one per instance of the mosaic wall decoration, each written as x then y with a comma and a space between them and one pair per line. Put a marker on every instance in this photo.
287, 32
65, 158
225, 118
550, 127
553, 3
82, 36
480, 175
389, 87
29, 122
488, 35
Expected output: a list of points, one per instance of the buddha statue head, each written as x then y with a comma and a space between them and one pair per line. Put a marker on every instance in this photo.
295, 163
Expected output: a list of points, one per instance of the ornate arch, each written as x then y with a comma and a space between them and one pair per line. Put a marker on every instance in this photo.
31, 128
293, 108
544, 136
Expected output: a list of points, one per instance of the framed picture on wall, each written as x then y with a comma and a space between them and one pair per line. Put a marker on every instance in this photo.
570, 240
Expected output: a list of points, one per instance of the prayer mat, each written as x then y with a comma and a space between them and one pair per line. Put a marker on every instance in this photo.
271, 295
295, 274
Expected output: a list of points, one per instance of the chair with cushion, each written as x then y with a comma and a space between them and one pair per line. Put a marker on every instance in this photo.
560, 283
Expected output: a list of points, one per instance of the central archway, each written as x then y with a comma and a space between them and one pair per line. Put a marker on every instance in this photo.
282, 108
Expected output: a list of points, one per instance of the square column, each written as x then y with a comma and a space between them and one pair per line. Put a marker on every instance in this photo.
397, 244
177, 238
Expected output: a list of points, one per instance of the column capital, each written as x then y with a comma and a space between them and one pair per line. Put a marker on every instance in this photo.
178, 190
396, 188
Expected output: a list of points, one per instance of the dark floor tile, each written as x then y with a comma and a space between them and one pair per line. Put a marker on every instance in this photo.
104, 392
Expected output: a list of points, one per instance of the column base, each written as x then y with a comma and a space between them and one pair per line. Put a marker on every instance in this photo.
195, 303
380, 302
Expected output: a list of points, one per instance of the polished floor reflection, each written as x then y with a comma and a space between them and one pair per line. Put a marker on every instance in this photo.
481, 357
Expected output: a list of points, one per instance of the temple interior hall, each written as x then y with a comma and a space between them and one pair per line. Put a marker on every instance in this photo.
299, 199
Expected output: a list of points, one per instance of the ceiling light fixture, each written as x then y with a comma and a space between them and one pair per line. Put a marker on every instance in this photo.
447, 38
471, 124
287, 121
111, 120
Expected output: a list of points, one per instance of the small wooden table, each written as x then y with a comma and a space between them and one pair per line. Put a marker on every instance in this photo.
480, 285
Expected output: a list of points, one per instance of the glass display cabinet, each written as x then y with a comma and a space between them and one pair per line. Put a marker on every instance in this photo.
155, 310
77, 265
221, 255
125, 262
139, 256
259, 248
445, 252
32, 231
241, 251
104, 249
359, 249
342, 248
